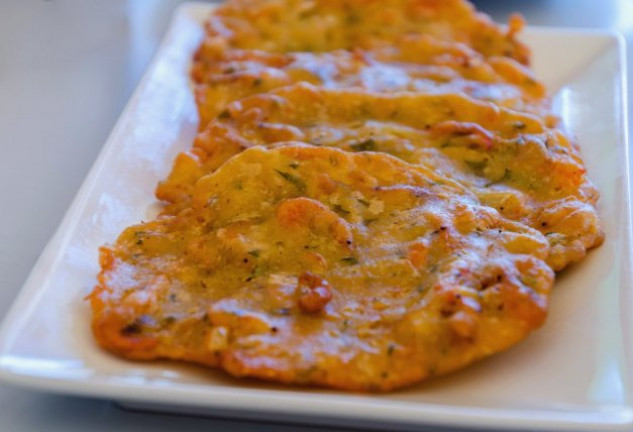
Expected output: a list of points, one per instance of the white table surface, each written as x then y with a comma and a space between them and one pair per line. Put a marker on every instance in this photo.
67, 68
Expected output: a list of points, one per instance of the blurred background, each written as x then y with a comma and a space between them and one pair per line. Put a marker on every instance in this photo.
67, 68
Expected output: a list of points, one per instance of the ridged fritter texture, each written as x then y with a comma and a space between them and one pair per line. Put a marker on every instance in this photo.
417, 63
311, 265
511, 161
327, 25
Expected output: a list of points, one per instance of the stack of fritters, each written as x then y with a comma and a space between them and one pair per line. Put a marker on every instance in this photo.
378, 194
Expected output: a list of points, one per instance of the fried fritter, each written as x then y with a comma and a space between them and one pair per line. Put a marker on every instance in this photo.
415, 63
311, 265
327, 25
511, 161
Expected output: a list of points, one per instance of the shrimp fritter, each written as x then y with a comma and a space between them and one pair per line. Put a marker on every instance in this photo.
415, 63
326, 25
511, 161
311, 265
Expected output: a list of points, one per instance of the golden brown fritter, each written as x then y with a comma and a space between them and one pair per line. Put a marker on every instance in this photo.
311, 265
414, 63
296, 248
327, 25
510, 161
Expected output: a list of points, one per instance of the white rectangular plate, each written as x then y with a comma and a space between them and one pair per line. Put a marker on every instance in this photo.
574, 374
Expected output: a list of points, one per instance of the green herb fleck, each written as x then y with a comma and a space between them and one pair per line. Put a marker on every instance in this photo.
340, 210
167, 321
352, 18
367, 145
350, 260
529, 281
296, 181
390, 349
259, 270
306, 14
476, 166
254, 253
